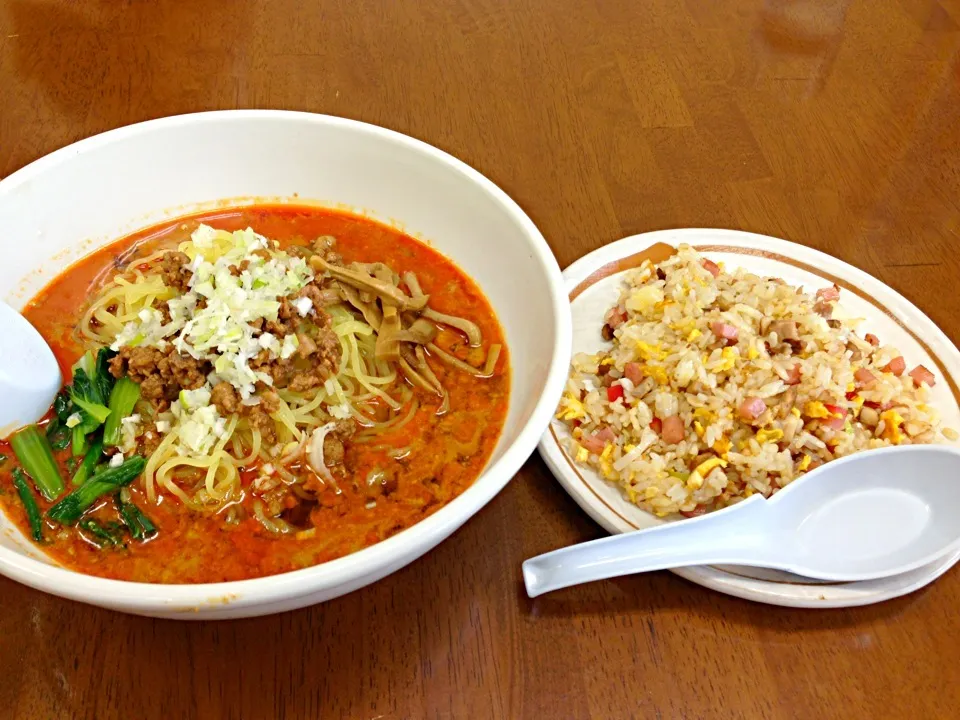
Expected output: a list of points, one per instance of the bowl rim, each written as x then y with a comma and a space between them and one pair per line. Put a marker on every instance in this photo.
388, 555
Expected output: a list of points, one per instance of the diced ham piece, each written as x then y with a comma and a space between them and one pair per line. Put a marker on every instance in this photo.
711, 267
633, 373
793, 375
614, 393
605, 435
752, 408
834, 423
896, 366
837, 419
615, 317
829, 294
872, 339
724, 330
592, 443
672, 430
864, 377
656, 425
921, 375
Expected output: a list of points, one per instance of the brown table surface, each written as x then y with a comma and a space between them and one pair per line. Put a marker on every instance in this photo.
831, 123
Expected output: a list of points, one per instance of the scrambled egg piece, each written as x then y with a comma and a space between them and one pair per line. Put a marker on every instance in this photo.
573, 410
752, 353
651, 492
729, 357
795, 411
722, 446
772, 435
650, 352
705, 467
804, 464
657, 372
816, 409
891, 429
707, 415
582, 454
695, 481
607, 361
694, 334
698, 427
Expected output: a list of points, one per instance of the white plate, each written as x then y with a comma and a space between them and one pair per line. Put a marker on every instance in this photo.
594, 286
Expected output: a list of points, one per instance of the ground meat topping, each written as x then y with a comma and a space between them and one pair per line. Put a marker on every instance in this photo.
175, 273
225, 398
333, 448
162, 374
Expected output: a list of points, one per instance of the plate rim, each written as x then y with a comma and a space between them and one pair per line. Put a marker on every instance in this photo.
798, 595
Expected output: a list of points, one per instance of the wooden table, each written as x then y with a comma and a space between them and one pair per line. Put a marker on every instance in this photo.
835, 124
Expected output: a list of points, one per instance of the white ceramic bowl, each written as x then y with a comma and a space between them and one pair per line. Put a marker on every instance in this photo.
65, 205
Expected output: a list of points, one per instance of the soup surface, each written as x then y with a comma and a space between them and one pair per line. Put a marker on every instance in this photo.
282, 396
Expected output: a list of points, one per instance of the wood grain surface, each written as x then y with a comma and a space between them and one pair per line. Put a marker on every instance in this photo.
833, 123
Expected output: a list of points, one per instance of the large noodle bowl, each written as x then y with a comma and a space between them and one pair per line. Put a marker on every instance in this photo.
303, 383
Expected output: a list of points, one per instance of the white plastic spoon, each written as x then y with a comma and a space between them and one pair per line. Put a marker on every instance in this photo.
865, 516
29, 373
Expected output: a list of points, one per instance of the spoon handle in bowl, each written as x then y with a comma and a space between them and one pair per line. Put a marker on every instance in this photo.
733, 536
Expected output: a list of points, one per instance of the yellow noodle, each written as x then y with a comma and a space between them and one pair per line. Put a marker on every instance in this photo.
155, 459
361, 379
285, 419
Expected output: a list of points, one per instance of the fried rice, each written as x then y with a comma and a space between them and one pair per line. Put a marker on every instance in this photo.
721, 384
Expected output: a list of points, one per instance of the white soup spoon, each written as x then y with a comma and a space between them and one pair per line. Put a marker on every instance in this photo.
865, 516
29, 372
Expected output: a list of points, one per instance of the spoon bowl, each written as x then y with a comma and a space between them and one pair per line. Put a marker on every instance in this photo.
29, 372
865, 516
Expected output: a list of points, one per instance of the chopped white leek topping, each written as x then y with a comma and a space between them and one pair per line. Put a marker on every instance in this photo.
303, 305
116, 461
73, 420
220, 332
200, 425
129, 431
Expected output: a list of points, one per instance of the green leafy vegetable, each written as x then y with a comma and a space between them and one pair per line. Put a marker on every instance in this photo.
30, 503
61, 405
33, 452
89, 462
74, 505
86, 398
123, 398
102, 536
58, 434
102, 377
94, 411
137, 523
79, 442
87, 363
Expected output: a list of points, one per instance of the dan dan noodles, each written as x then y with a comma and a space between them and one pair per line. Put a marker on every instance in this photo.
253, 392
